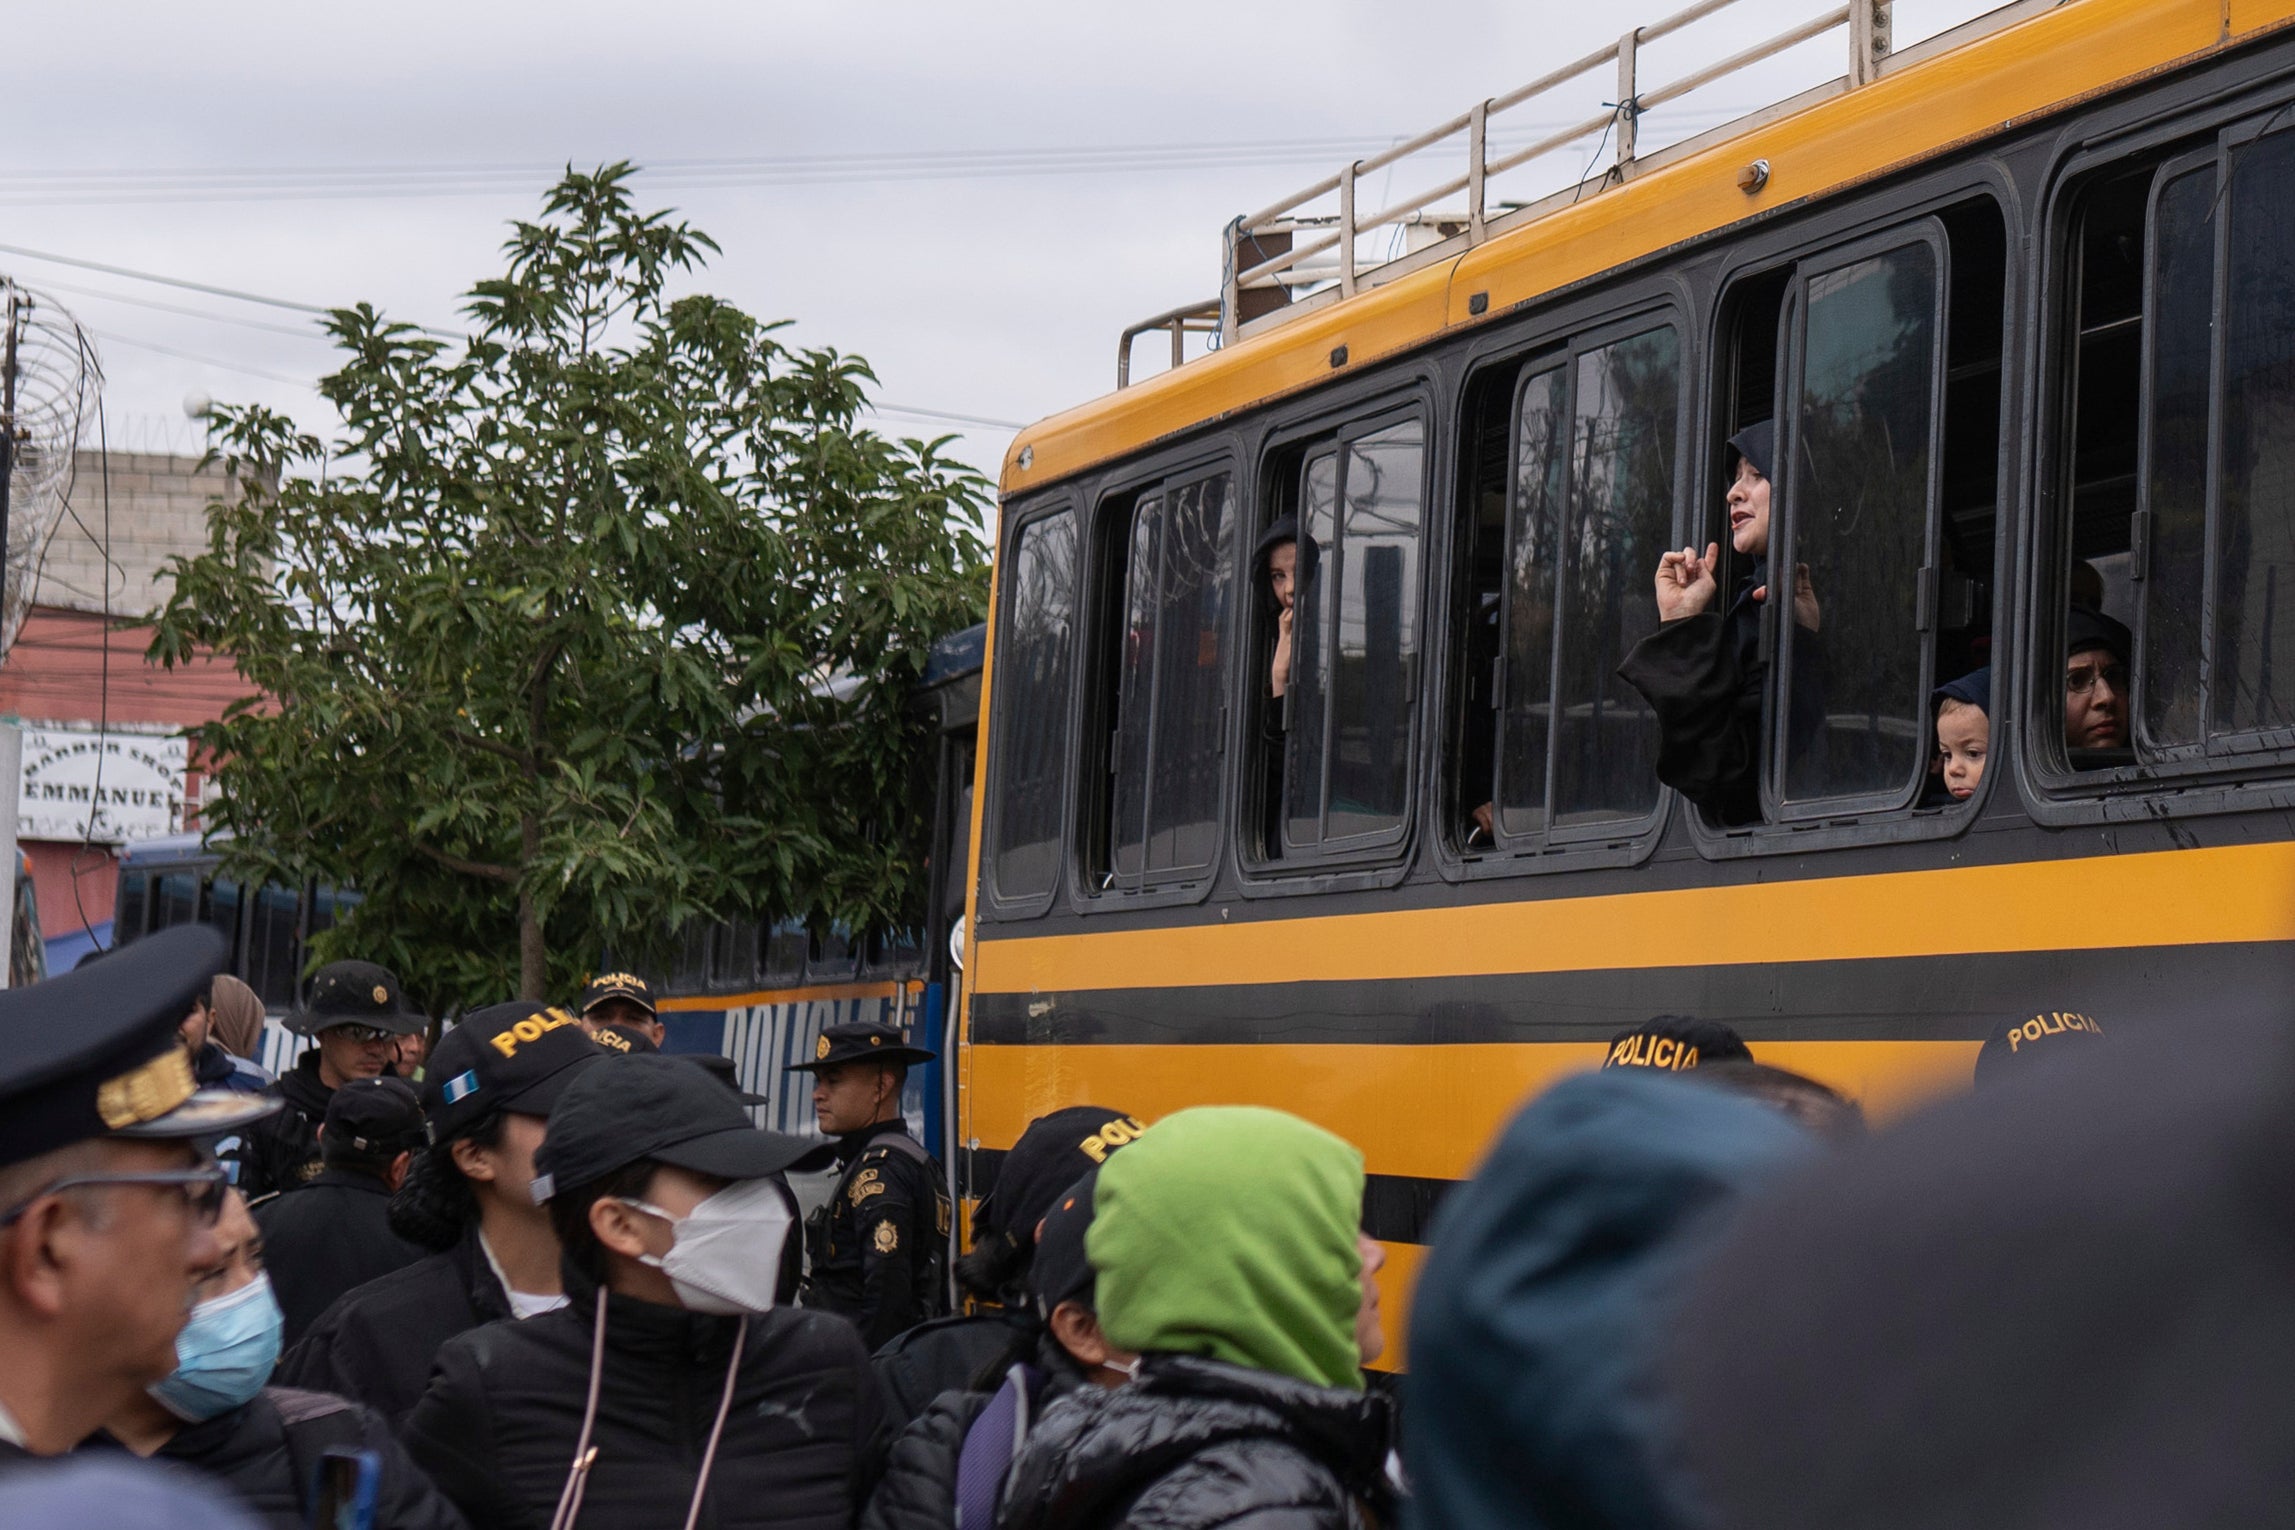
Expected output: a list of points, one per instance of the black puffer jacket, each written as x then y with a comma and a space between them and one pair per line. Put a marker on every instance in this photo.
1191, 1444
957, 1354
918, 1490
250, 1451
497, 1429
376, 1344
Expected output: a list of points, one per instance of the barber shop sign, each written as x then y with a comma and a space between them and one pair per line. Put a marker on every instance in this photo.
111, 787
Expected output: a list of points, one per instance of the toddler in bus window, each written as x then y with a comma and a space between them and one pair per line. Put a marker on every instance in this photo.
1963, 731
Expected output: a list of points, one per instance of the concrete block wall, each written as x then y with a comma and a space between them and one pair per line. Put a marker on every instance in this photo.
158, 511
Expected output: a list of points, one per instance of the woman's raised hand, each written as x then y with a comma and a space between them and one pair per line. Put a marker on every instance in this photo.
1685, 582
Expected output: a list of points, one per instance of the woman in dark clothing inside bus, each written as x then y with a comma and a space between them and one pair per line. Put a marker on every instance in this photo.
1702, 670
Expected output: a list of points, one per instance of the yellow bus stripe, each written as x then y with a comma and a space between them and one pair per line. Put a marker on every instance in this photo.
1423, 1111
2188, 897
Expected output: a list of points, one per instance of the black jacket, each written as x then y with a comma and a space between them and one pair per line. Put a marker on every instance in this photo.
879, 1244
264, 1451
321, 1243
958, 1354
376, 1344
498, 1428
1192, 1444
281, 1151
918, 1489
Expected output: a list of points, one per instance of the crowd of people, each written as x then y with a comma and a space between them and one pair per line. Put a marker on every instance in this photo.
559, 1279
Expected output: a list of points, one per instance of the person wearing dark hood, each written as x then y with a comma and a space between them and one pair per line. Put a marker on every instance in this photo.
214, 1065
356, 1015
1535, 1393
879, 1243
672, 1386
948, 1467
2096, 652
336, 1234
214, 1414
973, 1352
469, 1195
1963, 732
1228, 1256
1702, 670
2057, 1302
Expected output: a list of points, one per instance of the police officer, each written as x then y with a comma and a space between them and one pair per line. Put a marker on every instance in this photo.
879, 1244
624, 1002
108, 1200
336, 1234
357, 1014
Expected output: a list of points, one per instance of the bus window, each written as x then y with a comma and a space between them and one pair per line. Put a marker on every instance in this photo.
1033, 668
174, 899
733, 954
273, 954
833, 957
689, 971
2175, 483
1164, 777
1353, 683
220, 911
785, 943
1856, 513
128, 910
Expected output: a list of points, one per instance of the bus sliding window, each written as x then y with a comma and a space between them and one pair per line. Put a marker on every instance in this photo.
2214, 537
1032, 677
1592, 511
1858, 486
1164, 778
1354, 664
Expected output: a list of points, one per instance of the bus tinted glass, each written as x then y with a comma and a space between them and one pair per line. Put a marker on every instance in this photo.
1033, 665
1858, 517
221, 912
2181, 327
272, 949
174, 899
1621, 520
1355, 639
1178, 583
1533, 554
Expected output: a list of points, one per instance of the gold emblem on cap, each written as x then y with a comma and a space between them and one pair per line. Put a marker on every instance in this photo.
382, 994
876, 1041
820, 1049
146, 1093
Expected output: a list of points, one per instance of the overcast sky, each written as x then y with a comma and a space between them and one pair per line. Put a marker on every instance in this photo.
160, 137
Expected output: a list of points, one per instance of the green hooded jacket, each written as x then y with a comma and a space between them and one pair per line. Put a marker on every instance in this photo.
1229, 1231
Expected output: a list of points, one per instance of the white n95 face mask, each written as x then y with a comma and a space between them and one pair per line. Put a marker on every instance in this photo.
725, 1255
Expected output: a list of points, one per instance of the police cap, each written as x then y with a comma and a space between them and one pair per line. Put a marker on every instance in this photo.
355, 993
625, 1043
1061, 1271
375, 1115
1676, 1043
871, 1039
1051, 1155
2023, 1041
518, 1056
724, 1071
97, 1052
617, 985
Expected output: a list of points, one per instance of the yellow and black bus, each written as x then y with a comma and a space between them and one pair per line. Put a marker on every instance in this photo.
2021, 306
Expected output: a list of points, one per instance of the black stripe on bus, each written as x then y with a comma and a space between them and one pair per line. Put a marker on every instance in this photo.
1397, 1208
1929, 998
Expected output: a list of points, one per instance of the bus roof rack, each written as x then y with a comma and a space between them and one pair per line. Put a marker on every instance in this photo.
1290, 258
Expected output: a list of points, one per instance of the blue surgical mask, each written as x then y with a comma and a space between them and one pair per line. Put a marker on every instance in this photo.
224, 1354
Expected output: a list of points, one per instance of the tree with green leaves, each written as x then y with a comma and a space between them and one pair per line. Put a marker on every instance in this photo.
594, 622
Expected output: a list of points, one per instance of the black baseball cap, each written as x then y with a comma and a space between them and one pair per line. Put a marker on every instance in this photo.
627, 1043
355, 993
1675, 1043
854, 1040
2085, 629
1061, 1272
95, 1052
617, 985
375, 1115
2019, 1043
518, 1056
663, 1109
724, 1070
1051, 1155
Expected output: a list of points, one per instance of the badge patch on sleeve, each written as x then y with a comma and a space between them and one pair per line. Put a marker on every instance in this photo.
886, 1238
865, 1184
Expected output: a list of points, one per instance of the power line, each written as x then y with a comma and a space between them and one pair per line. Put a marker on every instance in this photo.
164, 281
213, 361
308, 332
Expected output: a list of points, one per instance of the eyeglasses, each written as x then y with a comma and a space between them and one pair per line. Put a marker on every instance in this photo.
363, 1035
2081, 679
203, 1190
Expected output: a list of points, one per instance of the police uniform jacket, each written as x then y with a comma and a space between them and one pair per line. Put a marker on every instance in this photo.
498, 1427
880, 1242
1191, 1444
281, 1152
332, 1237
265, 1450
376, 1343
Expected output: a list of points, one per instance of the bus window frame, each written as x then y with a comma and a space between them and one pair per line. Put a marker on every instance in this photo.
1377, 401
1785, 530
995, 905
1100, 606
1815, 238
2117, 137
1557, 334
